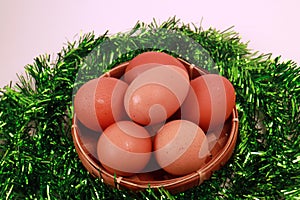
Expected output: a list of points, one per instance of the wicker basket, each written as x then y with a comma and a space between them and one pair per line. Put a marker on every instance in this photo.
87, 154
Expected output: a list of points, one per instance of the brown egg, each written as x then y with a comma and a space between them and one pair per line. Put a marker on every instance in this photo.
99, 102
210, 101
84, 105
180, 147
156, 94
147, 60
109, 98
124, 148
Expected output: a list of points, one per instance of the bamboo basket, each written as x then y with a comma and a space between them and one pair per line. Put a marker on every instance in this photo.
156, 179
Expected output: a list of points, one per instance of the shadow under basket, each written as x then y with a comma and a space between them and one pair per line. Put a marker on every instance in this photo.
85, 141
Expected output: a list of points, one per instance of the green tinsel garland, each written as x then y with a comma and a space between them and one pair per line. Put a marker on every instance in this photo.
38, 159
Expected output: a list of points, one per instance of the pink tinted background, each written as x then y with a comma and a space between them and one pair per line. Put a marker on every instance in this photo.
32, 27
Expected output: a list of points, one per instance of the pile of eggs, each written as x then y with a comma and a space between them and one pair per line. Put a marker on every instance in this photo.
155, 112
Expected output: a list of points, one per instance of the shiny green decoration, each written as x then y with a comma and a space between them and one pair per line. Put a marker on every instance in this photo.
38, 159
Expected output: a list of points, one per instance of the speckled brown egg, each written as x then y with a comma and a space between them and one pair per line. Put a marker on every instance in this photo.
156, 94
84, 105
109, 100
100, 102
124, 148
210, 101
180, 147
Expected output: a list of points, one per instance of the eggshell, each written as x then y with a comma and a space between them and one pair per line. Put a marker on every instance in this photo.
210, 101
109, 98
180, 147
99, 102
124, 148
84, 105
147, 60
156, 94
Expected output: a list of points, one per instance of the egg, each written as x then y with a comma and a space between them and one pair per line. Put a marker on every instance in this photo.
156, 94
210, 101
99, 102
147, 60
84, 105
109, 98
124, 148
180, 147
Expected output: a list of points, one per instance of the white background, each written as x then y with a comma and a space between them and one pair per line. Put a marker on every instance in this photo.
33, 27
